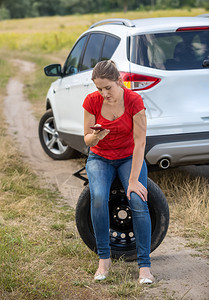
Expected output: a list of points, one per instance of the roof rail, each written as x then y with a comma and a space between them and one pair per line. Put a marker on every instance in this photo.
125, 22
204, 16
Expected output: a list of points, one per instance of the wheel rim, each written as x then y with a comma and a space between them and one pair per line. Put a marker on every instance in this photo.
51, 138
121, 228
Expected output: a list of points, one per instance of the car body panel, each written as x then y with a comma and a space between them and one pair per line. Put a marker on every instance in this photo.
69, 112
189, 100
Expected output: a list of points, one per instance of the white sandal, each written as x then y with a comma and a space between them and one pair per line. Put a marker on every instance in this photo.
146, 280
101, 276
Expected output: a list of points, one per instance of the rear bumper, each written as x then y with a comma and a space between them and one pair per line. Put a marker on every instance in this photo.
179, 149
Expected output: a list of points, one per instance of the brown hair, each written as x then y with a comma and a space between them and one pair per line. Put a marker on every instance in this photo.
106, 69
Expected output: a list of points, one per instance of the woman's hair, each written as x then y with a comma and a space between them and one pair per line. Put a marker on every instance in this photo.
106, 69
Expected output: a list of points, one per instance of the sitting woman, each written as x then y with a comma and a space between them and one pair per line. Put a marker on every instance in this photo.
117, 148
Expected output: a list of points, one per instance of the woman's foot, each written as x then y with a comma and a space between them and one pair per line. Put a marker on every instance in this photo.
103, 270
145, 276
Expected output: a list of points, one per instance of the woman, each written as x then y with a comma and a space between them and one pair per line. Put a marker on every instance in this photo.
118, 149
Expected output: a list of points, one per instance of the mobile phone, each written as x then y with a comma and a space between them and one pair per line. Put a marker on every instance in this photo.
100, 128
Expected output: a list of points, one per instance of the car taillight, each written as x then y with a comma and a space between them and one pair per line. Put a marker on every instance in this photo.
138, 82
193, 28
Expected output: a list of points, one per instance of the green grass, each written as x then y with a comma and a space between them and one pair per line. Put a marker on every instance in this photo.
189, 206
52, 34
37, 84
5, 73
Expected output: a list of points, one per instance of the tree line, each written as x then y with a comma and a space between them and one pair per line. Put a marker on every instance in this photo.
35, 8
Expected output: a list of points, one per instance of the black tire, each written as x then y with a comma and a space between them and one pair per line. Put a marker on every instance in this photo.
122, 239
50, 141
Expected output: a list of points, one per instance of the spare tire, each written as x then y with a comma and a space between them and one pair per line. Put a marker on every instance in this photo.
122, 238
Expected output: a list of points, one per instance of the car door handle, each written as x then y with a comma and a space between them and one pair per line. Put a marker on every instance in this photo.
86, 84
67, 87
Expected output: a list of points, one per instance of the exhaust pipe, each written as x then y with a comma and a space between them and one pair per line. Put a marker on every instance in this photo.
164, 163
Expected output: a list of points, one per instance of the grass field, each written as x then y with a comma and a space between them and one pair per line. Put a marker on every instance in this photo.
57, 33
41, 255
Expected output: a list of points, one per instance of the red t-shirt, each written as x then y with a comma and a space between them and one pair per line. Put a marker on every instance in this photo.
119, 142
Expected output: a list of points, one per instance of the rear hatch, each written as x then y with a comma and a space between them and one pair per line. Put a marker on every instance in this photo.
171, 72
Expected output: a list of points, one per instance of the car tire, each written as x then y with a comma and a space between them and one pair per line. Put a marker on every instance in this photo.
122, 239
50, 141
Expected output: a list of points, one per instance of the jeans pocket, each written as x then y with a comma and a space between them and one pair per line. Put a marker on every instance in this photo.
91, 156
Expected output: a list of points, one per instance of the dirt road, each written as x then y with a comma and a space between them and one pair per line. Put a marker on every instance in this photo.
180, 271
23, 127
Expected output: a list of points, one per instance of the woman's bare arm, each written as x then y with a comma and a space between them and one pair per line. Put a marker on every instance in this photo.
139, 131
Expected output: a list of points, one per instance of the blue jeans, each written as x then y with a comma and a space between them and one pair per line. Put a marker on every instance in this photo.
101, 173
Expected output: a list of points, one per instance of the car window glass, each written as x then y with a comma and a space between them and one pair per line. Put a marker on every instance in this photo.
171, 51
110, 46
93, 51
72, 63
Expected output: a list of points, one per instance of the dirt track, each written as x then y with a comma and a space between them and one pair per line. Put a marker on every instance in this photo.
180, 273
24, 128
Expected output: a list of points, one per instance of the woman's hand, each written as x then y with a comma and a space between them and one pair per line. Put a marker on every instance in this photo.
100, 134
138, 188
92, 136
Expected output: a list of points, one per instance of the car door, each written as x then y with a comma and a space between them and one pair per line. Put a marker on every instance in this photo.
65, 107
81, 84
76, 83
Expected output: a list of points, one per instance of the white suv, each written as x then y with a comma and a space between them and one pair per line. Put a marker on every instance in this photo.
165, 60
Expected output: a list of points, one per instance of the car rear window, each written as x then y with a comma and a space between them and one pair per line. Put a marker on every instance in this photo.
181, 50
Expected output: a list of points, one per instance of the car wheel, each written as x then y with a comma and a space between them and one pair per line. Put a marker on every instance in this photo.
50, 141
122, 238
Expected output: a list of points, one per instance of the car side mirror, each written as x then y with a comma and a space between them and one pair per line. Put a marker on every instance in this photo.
53, 70
205, 63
